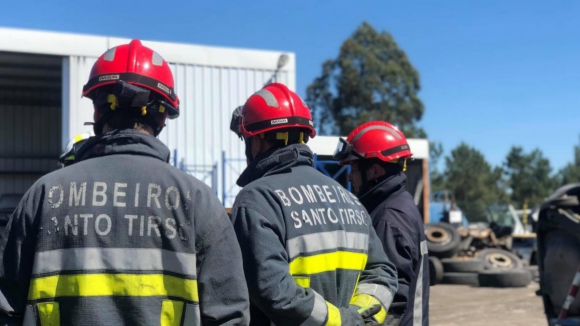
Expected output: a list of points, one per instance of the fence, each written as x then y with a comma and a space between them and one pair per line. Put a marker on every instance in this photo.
205, 173
228, 186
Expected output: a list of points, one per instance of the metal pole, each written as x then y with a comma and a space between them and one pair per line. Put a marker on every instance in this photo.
175, 157
272, 78
426, 190
224, 192
348, 182
215, 177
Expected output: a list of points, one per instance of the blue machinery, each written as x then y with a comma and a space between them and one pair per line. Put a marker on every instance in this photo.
202, 172
227, 164
210, 172
320, 165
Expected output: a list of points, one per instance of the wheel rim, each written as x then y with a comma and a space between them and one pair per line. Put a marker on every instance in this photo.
438, 235
499, 260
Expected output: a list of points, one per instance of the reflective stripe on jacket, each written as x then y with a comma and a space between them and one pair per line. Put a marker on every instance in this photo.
310, 252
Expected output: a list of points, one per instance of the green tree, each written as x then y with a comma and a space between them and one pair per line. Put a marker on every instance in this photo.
571, 172
473, 181
372, 79
437, 179
528, 176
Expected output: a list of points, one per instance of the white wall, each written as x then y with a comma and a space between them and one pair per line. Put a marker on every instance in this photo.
210, 81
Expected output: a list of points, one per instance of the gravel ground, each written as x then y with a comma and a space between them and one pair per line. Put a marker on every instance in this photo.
459, 305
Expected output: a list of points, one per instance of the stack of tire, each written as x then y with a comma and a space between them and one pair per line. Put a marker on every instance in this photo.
489, 268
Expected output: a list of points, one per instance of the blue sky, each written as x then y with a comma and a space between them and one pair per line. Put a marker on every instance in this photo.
494, 73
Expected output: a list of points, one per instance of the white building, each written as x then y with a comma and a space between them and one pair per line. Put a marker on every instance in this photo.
42, 75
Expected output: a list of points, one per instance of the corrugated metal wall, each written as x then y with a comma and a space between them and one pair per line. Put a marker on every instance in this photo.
211, 82
75, 110
208, 95
30, 127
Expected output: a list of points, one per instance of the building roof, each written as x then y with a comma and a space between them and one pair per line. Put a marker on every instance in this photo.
69, 44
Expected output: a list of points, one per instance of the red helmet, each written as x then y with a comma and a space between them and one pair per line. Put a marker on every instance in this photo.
375, 139
138, 65
271, 108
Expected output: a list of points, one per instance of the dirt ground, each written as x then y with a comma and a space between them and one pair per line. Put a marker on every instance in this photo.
458, 305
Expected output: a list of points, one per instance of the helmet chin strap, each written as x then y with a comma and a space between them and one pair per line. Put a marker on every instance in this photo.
248, 142
363, 166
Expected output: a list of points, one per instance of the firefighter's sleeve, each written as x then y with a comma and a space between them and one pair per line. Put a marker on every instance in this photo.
378, 282
272, 288
223, 293
17, 247
401, 250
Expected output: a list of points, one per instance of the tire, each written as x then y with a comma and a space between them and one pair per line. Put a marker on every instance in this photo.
534, 273
472, 265
435, 271
443, 241
499, 259
461, 278
513, 278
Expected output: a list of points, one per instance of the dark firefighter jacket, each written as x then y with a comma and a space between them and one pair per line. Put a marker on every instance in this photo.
121, 238
399, 225
309, 248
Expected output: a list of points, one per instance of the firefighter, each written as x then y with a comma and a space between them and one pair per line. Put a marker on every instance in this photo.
68, 156
377, 153
311, 256
121, 237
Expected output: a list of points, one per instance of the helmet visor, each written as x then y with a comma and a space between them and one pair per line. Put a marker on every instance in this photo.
343, 150
236, 120
70, 155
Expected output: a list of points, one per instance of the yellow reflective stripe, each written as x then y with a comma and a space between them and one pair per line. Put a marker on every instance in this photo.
171, 312
365, 300
303, 281
49, 314
379, 292
328, 262
333, 315
136, 285
78, 138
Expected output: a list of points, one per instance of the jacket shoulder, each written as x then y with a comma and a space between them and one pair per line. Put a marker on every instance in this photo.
400, 211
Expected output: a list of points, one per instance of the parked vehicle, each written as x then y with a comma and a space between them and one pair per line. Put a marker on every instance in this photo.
559, 253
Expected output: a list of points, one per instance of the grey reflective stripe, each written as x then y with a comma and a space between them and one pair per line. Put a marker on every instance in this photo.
268, 97
110, 54
192, 315
424, 249
367, 129
319, 312
86, 259
310, 243
380, 292
418, 303
29, 316
157, 59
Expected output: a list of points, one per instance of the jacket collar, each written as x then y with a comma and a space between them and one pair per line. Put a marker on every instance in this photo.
127, 141
275, 161
384, 189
